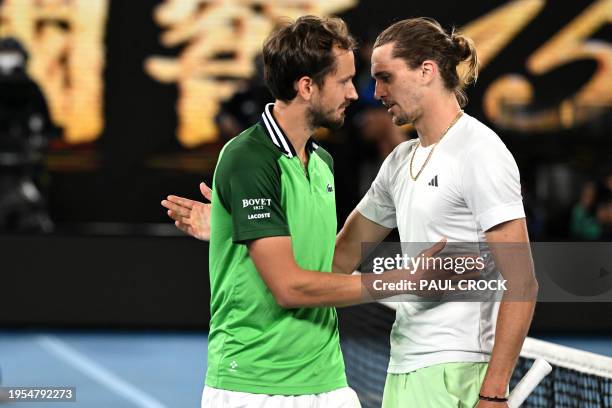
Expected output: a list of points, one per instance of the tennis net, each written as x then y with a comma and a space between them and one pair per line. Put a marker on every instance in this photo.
579, 379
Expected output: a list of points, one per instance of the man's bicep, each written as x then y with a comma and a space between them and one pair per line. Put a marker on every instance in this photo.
356, 231
513, 231
509, 244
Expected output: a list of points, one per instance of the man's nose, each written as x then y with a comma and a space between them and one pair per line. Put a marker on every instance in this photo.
379, 91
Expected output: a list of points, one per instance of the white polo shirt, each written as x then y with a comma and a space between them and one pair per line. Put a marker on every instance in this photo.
470, 184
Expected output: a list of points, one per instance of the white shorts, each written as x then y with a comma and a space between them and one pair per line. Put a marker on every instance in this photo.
340, 398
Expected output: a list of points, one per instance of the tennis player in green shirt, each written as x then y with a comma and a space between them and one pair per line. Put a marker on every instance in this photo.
274, 210
275, 192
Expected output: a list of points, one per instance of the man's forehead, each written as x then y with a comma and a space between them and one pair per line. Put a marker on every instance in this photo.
384, 61
382, 55
383, 52
386, 66
337, 51
345, 62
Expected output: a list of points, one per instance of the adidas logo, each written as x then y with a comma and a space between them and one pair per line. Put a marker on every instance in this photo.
434, 181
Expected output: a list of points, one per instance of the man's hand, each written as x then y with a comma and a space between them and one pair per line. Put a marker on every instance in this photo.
190, 216
429, 270
426, 278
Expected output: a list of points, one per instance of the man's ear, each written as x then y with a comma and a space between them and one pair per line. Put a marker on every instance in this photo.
304, 87
429, 69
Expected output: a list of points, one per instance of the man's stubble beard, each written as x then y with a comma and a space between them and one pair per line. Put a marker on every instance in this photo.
405, 118
318, 118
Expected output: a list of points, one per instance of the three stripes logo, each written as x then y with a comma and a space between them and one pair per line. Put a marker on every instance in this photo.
434, 181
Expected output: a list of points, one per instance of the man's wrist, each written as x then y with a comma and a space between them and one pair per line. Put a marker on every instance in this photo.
497, 389
490, 398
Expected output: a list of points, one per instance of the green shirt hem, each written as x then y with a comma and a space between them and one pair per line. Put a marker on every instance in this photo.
275, 389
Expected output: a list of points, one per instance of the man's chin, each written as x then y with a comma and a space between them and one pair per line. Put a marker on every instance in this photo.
333, 120
399, 120
340, 121
335, 125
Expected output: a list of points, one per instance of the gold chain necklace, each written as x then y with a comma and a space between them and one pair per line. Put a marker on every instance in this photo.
432, 149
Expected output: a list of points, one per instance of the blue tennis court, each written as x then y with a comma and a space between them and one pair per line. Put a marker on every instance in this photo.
121, 370
128, 370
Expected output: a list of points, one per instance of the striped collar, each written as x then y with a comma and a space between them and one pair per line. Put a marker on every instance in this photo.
277, 136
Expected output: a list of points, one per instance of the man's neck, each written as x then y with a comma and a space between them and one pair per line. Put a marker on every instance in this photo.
292, 118
436, 118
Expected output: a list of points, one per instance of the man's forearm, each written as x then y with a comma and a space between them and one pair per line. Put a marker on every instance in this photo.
293, 286
509, 245
513, 323
314, 289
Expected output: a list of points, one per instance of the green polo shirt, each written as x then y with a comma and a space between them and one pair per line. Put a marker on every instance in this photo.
260, 189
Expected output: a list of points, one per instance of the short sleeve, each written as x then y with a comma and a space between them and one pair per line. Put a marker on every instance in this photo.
491, 184
377, 204
250, 191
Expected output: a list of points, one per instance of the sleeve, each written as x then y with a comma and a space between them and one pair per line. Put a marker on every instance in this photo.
491, 184
377, 204
250, 191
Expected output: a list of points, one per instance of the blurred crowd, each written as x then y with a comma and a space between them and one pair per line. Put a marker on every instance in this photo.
591, 217
25, 129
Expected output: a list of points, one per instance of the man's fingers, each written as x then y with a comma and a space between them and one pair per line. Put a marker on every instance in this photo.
435, 248
183, 227
169, 205
173, 215
183, 202
177, 209
178, 217
206, 191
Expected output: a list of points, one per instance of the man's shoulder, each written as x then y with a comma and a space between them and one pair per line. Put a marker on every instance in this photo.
475, 132
251, 143
406, 147
401, 152
478, 144
249, 150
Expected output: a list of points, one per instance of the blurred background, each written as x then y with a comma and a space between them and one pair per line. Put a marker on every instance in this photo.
107, 106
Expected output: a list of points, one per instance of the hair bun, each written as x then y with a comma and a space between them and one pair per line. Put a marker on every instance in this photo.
462, 46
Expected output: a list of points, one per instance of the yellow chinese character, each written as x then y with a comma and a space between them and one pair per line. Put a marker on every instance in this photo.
222, 38
65, 40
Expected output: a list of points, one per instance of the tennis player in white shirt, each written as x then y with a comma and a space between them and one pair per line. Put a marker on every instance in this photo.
457, 180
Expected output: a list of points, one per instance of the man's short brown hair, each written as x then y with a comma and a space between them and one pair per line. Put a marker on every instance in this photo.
303, 48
